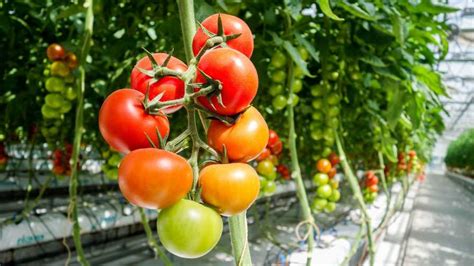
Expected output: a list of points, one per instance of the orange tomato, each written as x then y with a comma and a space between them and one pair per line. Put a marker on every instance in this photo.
231, 188
323, 166
332, 172
244, 140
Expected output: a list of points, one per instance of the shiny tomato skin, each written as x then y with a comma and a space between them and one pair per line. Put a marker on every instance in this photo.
332, 173
323, 166
371, 181
55, 52
272, 137
237, 75
244, 140
71, 60
172, 87
373, 188
230, 188
263, 155
370, 174
189, 229
231, 25
284, 171
123, 122
334, 159
153, 178
276, 148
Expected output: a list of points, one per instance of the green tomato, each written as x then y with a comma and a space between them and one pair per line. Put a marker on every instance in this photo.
263, 181
59, 68
188, 229
54, 84
320, 179
66, 107
317, 103
279, 102
330, 207
317, 115
324, 191
334, 75
318, 204
333, 111
50, 113
333, 99
355, 76
270, 187
317, 90
276, 89
326, 152
335, 196
297, 85
265, 168
278, 59
278, 76
333, 122
295, 99
317, 134
54, 100
328, 142
70, 93
53, 131
298, 72
303, 53
46, 72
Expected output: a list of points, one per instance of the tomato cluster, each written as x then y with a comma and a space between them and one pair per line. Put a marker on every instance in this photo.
61, 90
277, 73
61, 160
268, 165
3, 156
152, 175
371, 187
327, 193
413, 163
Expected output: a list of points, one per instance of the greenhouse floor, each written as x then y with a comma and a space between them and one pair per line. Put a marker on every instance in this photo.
442, 229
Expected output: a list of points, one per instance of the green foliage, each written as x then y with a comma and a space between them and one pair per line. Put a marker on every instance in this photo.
461, 151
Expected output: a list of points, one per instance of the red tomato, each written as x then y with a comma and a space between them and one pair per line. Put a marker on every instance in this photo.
263, 155
412, 154
323, 166
272, 137
244, 140
373, 188
231, 188
172, 87
370, 174
371, 181
71, 60
237, 75
284, 171
231, 25
276, 148
334, 159
55, 52
124, 123
332, 173
153, 178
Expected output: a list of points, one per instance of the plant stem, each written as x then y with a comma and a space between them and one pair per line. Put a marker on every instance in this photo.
78, 130
188, 25
238, 235
151, 240
385, 189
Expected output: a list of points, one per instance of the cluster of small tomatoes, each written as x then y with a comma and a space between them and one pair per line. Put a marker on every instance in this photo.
61, 160
268, 166
3, 156
371, 188
327, 192
191, 202
61, 90
277, 73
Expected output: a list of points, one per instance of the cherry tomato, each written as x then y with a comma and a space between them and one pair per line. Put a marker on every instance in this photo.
332, 173
297, 85
55, 52
334, 184
412, 154
319, 204
335, 196
238, 78
277, 147
317, 104
323, 165
230, 188
250, 127
284, 171
371, 181
333, 99
278, 59
278, 76
373, 188
334, 159
153, 178
303, 53
275, 89
189, 229
279, 102
172, 87
59, 68
330, 207
266, 168
124, 123
269, 188
272, 137
263, 155
71, 60
370, 174
320, 179
54, 84
273, 159
231, 25
324, 191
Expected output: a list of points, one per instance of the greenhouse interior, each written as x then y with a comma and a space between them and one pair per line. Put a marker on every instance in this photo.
287, 132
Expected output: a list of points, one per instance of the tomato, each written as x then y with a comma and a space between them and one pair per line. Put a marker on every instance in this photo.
65, 107
263, 155
55, 52
284, 171
371, 181
70, 93
317, 104
230, 188
324, 191
373, 188
275, 89
294, 99
153, 178
189, 229
370, 174
326, 151
298, 72
334, 75
334, 159
232, 25
54, 84
278, 59
250, 127
333, 99
265, 168
269, 188
279, 102
59, 68
71, 60
319, 204
332, 173
316, 91
171, 87
335, 196
330, 207
333, 111
334, 184
412, 154
272, 137
49, 112
54, 100
320, 179
317, 134
277, 147
238, 78
278, 76
297, 85
124, 123
323, 166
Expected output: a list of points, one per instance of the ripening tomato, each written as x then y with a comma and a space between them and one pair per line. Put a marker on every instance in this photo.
412, 154
370, 174
332, 173
371, 181
272, 137
334, 159
373, 188
244, 140
277, 147
230, 188
59, 68
238, 78
55, 52
231, 25
124, 123
153, 178
266, 168
71, 60
172, 87
189, 229
284, 171
323, 165
263, 155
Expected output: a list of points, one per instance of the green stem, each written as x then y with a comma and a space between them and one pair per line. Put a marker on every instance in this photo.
238, 236
188, 25
355, 244
78, 130
151, 240
388, 193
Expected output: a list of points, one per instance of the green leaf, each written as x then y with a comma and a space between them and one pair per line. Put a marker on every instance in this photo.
389, 149
355, 10
308, 46
384, 71
71, 11
293, 52
326, 8
373, 60
429, 7
395, 100
430, 78
400, 28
